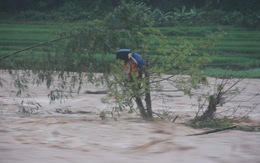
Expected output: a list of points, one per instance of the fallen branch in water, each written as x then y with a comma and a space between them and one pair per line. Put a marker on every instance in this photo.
95, 92
213, 131
174, 119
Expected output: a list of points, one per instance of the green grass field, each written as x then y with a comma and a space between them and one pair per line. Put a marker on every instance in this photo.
18, 36
238, 51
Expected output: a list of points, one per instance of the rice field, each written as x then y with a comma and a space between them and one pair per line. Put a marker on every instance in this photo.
238, 50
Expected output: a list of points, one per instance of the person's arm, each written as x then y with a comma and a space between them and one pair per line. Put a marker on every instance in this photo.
133, 59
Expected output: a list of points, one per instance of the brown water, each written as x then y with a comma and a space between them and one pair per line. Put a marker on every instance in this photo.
48, 136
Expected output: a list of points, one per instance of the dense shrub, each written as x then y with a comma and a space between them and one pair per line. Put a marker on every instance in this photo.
32, 16
130, 15
203, 17
252, 20
68, 12
161, 18
235, 18
126, 15
196, 16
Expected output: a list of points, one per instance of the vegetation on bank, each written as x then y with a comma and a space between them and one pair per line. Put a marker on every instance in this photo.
236, 54
40, 21
241, 13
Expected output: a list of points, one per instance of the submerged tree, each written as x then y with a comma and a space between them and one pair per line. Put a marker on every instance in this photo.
76, 59
221, 95
161, 55
182, 64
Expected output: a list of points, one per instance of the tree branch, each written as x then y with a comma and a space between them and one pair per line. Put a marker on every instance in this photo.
213, 131
33, 46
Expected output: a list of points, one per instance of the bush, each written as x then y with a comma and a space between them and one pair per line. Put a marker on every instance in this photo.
70, 11
213, 17
205, 17
32, 16
130, 15
251, 20
162, 19
232, 18
212, 123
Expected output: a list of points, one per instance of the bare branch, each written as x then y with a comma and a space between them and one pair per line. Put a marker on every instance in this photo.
34, 46
213, 131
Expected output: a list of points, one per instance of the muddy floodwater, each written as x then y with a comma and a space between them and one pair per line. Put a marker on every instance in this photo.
72, 131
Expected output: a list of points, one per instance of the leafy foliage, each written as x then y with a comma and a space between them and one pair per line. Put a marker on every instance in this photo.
210, 123
74, 59
166, 13
175, 59
129, 15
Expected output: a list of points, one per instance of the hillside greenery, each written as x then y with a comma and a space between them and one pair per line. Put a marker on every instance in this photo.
164, 13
